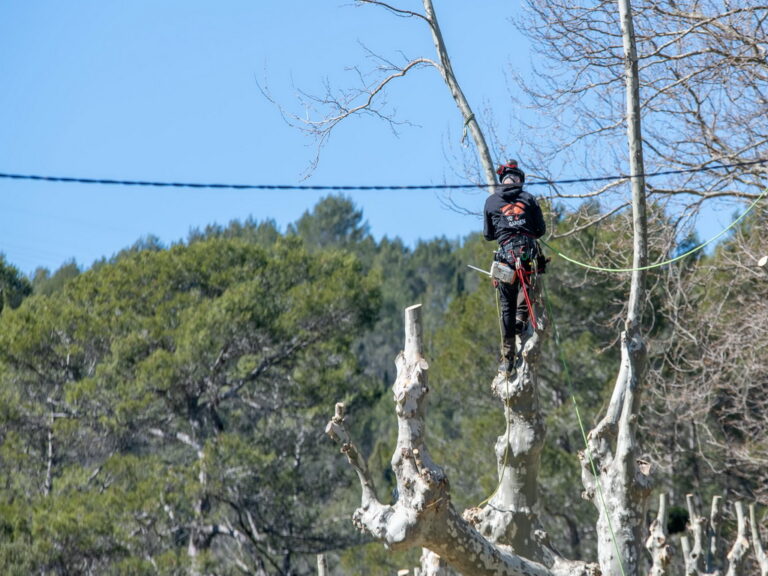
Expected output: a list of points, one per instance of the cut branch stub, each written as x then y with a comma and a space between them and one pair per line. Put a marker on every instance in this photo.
697, 525
713, 534
738, 553
413, 334
656, 543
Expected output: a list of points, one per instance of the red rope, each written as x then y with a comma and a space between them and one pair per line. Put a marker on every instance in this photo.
521, 276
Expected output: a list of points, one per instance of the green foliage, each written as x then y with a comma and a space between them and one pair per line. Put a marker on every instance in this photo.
180, 389
14, 287
334, 222
264, 233
375, 560
238, 344
176, 396
43, 282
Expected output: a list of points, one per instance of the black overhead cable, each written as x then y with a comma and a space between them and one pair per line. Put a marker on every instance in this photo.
147, 183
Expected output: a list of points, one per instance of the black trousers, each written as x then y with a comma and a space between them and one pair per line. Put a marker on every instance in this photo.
514, 310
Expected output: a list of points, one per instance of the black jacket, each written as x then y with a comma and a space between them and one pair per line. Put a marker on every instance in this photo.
512, 211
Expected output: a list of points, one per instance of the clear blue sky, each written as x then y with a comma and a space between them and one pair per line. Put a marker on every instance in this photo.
168, 91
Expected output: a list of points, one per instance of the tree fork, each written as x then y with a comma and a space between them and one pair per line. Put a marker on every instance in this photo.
423, 514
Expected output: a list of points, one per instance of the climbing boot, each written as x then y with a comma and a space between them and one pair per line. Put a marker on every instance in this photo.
508, 357
508, 349
507, 368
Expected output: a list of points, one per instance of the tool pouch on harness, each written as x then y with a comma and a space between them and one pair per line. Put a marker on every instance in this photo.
520, 248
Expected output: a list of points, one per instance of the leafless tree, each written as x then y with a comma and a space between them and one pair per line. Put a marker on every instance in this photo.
710, 382
702, 67
505, 535
327, 111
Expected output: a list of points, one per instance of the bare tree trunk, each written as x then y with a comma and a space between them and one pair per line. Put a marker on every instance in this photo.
637, 170
446, 70
322, 565
510, 517
690, 558
713, 534
694, 556
614, 482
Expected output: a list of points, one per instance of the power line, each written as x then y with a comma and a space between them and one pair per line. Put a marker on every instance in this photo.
156, 184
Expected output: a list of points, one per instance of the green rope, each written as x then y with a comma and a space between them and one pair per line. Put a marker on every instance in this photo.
665, 262
581, 426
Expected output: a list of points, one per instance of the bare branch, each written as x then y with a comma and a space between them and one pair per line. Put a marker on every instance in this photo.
398, 11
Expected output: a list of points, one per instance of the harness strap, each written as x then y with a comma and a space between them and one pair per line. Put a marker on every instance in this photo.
521, 276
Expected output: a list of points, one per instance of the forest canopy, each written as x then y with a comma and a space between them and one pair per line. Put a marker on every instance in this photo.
166, 406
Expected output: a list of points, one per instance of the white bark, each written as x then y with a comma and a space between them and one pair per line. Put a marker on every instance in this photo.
713, 534
510, 516
757, 543
694, 556
738, 554
446, 70
617, 485
637, 168
424, 514
322, 565
688, 557
657, 540
614, 481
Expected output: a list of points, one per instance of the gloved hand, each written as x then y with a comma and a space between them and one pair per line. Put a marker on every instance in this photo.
495, 282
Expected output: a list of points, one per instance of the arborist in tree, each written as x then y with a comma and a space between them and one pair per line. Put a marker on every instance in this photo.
513, 218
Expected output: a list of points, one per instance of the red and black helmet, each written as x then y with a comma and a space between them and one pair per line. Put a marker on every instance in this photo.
510, 168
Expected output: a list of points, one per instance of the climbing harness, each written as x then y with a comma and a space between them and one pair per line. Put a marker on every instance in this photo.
509, 266
502, 272
522, 252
